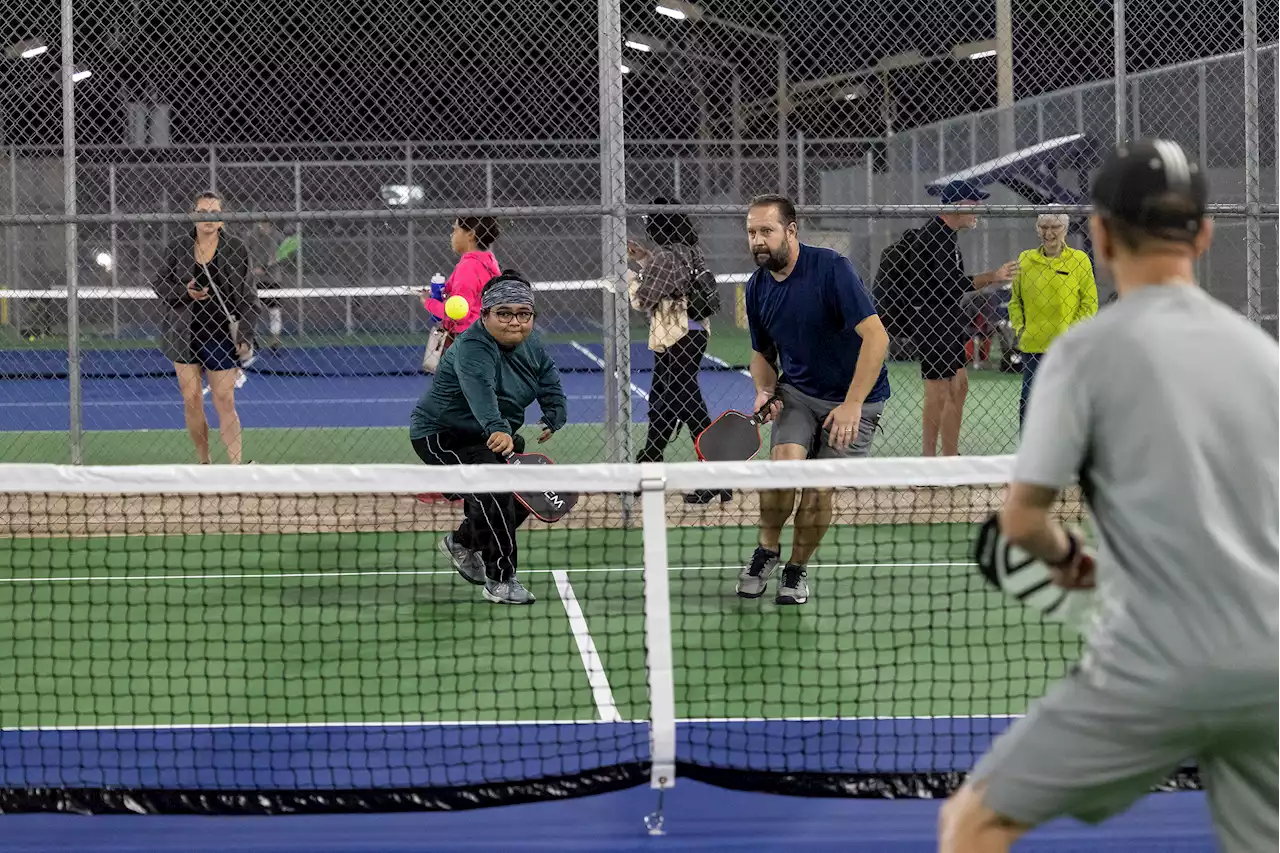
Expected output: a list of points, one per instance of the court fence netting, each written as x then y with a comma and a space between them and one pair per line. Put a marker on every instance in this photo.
292, 639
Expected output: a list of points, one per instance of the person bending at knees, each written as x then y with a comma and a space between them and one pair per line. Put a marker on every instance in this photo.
205, 278
471, 415
809, 313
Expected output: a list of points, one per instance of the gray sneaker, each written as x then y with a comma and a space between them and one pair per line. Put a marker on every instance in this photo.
467, 562
755, 577
507, 592
792, 588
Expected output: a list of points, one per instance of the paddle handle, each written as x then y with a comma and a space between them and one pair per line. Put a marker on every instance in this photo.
758, 417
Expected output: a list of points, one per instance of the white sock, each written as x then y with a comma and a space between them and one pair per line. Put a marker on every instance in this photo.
277, 325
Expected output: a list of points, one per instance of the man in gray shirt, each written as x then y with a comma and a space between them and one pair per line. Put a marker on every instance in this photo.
1164, 407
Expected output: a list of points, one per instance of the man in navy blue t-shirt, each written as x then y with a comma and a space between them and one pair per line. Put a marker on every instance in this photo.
809, 314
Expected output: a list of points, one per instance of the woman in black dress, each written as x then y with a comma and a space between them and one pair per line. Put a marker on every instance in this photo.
205, 276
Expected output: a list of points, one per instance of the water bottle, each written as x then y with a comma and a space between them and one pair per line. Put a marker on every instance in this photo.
437, 286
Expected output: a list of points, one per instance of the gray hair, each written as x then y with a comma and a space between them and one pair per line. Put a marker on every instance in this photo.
1054, 218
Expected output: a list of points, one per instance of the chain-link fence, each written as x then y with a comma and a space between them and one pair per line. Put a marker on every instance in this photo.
345, 146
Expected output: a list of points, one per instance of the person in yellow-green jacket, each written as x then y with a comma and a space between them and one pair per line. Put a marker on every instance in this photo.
1053, 289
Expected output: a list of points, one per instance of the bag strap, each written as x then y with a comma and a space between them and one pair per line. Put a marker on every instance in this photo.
217, 294
695, 269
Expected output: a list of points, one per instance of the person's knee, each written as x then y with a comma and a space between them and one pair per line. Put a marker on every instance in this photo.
815, 499
788, 453
959, 387
967, 825
224, 403
193, 400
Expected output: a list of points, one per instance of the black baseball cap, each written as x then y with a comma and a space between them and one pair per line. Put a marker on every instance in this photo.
1153, 185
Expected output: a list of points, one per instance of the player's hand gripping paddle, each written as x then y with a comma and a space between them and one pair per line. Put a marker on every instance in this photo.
734, 436
545, 506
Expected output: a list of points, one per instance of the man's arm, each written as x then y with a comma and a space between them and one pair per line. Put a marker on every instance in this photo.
1055, 441
991, 278
875, 345
1025, 521
764, 351
764, 373
849, 298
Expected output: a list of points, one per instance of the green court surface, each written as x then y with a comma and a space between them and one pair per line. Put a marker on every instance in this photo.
332, 627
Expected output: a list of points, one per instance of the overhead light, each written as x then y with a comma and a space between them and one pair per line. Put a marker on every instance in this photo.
403, 195
104, 260
27, 49
679, 10
80, 74
974, 50
851, 93
645, 43
626, 69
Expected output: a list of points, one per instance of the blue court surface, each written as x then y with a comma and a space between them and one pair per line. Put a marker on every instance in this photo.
697, 818
305, 388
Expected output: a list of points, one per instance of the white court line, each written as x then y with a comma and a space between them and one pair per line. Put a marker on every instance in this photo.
722, 363
635, 389
445, 724
430, 572
596, 676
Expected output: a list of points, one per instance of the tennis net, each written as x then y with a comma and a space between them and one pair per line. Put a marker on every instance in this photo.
289, 639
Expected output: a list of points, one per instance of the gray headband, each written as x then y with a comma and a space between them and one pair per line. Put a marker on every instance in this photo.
507, 291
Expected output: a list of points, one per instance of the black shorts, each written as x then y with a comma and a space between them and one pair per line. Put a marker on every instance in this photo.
942, 356
214, 354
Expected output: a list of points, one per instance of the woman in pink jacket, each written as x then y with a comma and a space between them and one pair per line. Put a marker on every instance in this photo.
472, 236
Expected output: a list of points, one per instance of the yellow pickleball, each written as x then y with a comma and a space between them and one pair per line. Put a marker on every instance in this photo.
456, 307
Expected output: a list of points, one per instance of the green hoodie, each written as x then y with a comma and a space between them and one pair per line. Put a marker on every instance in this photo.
481, 388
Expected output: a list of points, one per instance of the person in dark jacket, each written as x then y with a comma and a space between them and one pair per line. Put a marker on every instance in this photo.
472, 415
922, 281
205, 277
675, 397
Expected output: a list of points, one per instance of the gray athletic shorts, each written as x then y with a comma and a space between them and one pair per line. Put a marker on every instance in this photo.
1091, 748
801, 423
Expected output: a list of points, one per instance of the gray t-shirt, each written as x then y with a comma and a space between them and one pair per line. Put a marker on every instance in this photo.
1164, 407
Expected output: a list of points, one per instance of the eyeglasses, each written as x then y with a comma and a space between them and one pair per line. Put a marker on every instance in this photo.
521, 317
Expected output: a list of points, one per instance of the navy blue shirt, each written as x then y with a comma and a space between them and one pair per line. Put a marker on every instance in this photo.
809, 318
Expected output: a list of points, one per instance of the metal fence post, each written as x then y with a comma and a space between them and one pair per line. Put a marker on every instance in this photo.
297, 229
1122, 88
76, 426
11, 242
1252, 178
613, 236
115, 254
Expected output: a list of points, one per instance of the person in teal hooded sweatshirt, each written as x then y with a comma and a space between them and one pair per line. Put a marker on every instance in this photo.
472, 415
